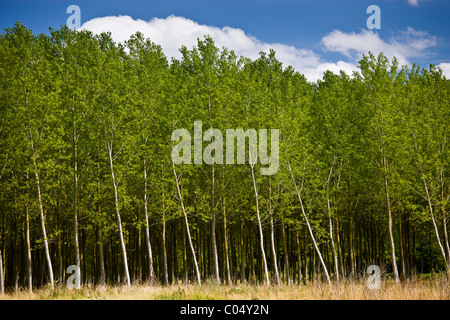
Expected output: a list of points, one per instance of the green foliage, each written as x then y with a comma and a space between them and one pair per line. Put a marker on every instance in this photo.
341, 136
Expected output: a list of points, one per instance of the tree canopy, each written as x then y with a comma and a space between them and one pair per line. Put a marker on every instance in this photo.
87, 178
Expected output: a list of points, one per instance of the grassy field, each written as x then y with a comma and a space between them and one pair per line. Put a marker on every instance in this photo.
419, 289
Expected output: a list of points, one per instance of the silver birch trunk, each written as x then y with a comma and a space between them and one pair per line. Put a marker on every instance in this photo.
116, 202
75, 194
227, 258
166, 273
330, 225
272, 239
430, 207
30, 274
436, 231
391, 235
147, 228
444, 217
100, 231
309, 226
213, 229
41, 208
261, 239
187, 225
225, 234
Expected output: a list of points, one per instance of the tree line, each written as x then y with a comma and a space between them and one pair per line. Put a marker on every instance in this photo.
87, 178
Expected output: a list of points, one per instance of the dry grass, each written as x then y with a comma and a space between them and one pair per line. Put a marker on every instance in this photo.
419, 289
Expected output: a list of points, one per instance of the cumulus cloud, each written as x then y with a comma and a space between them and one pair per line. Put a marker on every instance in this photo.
315, 73
407, 44
173, 32
445, 66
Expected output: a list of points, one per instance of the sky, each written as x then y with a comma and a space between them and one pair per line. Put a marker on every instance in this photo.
311, 35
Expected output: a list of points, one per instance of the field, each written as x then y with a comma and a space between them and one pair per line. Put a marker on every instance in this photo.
418, 289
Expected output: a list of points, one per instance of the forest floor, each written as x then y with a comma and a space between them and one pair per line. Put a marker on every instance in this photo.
419, 289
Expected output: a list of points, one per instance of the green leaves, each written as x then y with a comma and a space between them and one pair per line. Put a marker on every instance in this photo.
341, 136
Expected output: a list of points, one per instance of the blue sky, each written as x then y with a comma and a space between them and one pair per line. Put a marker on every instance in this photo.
310, 34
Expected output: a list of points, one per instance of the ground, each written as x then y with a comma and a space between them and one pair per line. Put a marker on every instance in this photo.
434, 288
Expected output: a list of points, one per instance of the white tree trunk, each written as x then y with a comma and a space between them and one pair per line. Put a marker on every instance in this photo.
213, 229
30, 274
391, 235
41, 208
272, 239
147, 228
261, 239
430, 207
75, 194
436, 231
187, 225
116, 201
330, 224
225, 234
444, 217
309, 226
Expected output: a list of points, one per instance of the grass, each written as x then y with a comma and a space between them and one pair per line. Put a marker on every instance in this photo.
418, 289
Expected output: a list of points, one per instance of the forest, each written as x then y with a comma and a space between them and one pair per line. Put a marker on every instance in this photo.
87, 179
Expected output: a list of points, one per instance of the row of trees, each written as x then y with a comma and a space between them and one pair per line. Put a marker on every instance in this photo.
87, 178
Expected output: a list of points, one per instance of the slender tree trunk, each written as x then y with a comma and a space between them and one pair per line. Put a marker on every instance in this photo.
430, 207
391, 235
2, 290
243, 278
225, 239
101, 258
330, 227
401, 246
147, 228
272, 239
30, 275
299, 257
261, 239
59, 240
166, 272
213, 229
75, 193
444, 217
286, 255
116, 202
309, 227
41, 208
351, 235
185, 260
187, 225
436, 231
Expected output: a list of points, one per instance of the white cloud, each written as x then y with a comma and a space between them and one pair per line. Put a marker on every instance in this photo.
318, 71
414, 2
173, 32
407, 44
445, 66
